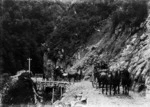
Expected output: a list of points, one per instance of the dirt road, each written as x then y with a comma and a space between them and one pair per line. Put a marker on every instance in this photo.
96, 99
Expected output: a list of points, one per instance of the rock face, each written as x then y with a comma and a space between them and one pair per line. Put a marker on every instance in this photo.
129, 50
135, 55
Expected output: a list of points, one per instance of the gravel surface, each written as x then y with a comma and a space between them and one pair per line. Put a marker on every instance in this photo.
96, 99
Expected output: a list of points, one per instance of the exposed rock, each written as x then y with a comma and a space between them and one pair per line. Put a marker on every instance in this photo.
143, 37
123, 49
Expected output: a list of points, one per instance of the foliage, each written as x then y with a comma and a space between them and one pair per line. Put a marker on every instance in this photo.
4, 79
25, 25
20, 92
28, 24
131, 13
77, 25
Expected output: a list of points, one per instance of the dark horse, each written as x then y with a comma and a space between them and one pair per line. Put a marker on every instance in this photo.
105, 79
104, 76
109, 81
77, 76
116, 79
72, 76
58, 73
126, 81
79, 73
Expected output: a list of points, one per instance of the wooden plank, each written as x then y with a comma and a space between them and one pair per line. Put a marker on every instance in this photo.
45, 84
42, 81
55, 82
38, 75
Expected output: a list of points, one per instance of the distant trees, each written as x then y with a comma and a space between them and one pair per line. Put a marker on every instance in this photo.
28, 24
131, 13
25, 25
77, 24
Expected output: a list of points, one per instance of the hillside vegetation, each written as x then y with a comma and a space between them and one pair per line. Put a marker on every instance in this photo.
26, 25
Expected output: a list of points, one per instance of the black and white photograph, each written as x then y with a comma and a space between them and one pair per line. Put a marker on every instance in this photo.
74, 53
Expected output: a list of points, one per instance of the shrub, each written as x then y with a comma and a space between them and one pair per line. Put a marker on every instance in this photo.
20, 92
131, 13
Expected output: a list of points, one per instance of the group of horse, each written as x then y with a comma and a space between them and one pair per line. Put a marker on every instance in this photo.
112, 80
60, 74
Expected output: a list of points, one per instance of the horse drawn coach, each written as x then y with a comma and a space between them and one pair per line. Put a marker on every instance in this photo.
98, 68
111, 80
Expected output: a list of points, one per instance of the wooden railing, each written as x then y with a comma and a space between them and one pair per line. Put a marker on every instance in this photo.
41, 85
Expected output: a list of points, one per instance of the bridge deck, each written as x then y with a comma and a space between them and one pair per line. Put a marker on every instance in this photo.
56, 82
44, 83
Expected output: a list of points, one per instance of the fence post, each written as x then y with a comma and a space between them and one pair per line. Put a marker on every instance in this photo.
53, 95
61, 90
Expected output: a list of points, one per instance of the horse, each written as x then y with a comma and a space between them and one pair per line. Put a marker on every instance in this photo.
79, 73
104, 65
69, 76
77, 76
73, 76
126, 81
105, 79
58, 73
109, 80
116, 79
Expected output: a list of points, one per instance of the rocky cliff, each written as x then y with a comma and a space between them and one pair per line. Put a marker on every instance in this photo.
126, 47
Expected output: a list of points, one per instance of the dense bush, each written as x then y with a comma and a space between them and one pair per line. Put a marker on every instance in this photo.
25, 25
131, 13
4, 79
28, 24
19, 92
77, 25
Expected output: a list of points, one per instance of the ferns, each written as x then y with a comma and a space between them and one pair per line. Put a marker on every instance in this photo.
132, 13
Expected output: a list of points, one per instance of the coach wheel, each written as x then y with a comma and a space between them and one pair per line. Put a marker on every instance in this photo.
95, 83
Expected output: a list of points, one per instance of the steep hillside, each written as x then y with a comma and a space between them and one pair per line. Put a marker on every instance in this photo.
124, 46
32, 28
